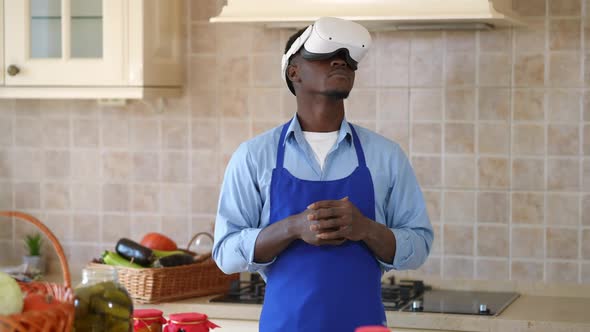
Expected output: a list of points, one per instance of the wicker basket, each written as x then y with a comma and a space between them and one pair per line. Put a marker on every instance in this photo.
153, 285
61, 316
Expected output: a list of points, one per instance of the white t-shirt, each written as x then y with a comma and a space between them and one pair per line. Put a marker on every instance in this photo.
321, 143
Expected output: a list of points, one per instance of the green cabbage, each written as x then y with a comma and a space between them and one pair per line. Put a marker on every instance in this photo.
11, 301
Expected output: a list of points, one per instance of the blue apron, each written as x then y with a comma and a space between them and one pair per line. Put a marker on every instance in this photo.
321, 288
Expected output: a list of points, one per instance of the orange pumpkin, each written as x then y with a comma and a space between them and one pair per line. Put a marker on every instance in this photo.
158, 241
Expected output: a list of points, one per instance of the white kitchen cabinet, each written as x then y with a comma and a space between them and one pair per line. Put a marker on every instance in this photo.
91, 48
231, 325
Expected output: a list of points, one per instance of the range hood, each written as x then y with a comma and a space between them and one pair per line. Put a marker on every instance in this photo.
374, 14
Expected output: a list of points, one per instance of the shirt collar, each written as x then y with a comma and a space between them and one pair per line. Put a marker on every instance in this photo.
294, 131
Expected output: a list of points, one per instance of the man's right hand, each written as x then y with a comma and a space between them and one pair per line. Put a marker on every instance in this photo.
303, 229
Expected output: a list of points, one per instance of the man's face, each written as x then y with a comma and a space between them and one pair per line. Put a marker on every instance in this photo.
331, 77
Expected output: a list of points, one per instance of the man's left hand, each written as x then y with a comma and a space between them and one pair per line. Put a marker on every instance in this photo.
338, 219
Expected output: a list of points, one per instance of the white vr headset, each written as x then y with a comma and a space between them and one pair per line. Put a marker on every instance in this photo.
327, 37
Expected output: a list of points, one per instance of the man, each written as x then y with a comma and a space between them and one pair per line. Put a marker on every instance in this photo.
320, 207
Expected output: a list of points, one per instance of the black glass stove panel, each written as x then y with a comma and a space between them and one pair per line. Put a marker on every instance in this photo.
462, 302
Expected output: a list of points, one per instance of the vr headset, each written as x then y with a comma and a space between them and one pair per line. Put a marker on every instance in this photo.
327, 37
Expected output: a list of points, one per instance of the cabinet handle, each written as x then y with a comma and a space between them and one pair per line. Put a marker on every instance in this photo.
13, 70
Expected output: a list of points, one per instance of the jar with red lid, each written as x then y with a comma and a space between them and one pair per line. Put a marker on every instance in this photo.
189, 322
374, 328
148, 320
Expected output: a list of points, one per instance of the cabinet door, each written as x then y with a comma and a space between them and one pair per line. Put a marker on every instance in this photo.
1, 42
64, 42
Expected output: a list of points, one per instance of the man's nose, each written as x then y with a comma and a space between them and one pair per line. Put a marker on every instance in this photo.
338, 62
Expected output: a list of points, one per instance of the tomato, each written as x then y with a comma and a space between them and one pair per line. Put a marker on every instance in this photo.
158, 241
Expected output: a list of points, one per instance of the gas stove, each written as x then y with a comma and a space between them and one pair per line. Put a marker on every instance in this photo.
405, 295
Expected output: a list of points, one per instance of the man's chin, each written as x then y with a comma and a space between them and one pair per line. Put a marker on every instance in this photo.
337, 94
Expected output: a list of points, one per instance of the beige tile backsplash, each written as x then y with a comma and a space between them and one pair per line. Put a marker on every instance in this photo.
495, 124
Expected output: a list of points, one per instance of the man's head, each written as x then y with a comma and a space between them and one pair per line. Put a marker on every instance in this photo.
323, 57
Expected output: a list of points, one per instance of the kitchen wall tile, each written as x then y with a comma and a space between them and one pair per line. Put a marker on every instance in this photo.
85, 164
202, 224
27, 108
28, 133
497, 40
265, 71
6, 199
204, 199
562, 243
204, 72
488, 269
57, 164
205, 134
426, 70
145, 134
426, 104
174, 198
563, 174
86, 197
565, 105
586, 273
529, 105
202, 10
459, 138
562, 272
563, 140
175, 167
115, 133
426, 42
458, 240
457, 268
115, 197
463, 179
529, 7
493, 172
115, 227
432, 267
565, 69
60, 224
146, 166
124, 112
175, 134
27, 195
492, 240
6, 229
530, 38
495, 69
288, 104
460, 104
56, 196
437, 245
204, 168
86, 133
586, 142
494, 138
234, 39
492, 207
397, 132
86, 227
233, 133
586, 29
426, 138
56, 133
7, 107
82, 255
565, 7
494, 104
392, 58
528, 174
459, 207
564, 34
527, 271
460, 41
529, 70
145, 198
563, 209
460, 68
586, 175
361, 105
117, 165
6, 132
26, 164
433, 204
393, 105
528, 208
141, 225
266, 40
203, 103
265, 104
586, 244
175, 227
427, 170
7, 164
586, 210
203, 38
528, 139
528, 242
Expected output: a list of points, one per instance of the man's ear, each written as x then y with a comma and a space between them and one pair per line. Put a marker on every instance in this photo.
292, 73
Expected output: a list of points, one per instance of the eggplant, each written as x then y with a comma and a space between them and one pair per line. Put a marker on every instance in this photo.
135, 252
174, 260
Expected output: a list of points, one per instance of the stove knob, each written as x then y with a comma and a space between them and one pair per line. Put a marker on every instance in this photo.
483, 309
417, 305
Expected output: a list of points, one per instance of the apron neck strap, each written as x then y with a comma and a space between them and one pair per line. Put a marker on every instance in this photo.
281, 148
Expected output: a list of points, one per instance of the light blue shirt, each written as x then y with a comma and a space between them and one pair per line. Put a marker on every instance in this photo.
244, 203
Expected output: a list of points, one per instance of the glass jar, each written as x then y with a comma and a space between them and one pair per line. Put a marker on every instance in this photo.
101, 303
189, 322
148, 320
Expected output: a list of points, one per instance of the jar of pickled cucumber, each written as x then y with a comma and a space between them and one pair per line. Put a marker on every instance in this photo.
101, 303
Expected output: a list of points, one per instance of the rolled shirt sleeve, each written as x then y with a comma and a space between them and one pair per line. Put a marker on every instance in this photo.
237, 224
